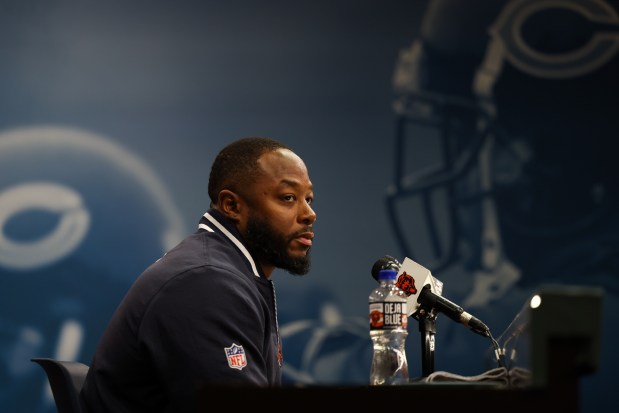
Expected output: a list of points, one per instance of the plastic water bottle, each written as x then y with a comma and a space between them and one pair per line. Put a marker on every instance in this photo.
388, 331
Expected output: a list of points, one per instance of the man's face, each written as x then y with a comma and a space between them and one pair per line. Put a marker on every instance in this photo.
279, 218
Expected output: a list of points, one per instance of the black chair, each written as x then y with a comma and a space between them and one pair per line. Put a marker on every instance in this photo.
66, 379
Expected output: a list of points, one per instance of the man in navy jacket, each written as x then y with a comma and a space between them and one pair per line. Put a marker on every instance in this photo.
205, 313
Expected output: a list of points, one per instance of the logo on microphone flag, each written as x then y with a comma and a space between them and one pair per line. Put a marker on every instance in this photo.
406, 283
236, 356
412, 277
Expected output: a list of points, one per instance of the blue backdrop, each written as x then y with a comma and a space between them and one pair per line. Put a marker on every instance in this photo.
498, 116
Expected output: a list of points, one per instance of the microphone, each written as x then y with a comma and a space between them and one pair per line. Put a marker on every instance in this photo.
422, 289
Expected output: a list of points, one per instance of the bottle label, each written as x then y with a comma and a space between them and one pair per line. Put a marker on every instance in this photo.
388, 315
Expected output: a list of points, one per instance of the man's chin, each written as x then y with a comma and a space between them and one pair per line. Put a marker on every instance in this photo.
298, 265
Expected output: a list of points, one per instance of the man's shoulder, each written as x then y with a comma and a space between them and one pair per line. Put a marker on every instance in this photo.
201, 254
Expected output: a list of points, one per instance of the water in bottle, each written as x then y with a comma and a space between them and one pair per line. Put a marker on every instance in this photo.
388, 331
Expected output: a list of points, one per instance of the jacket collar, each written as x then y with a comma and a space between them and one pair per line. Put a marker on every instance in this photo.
214, 221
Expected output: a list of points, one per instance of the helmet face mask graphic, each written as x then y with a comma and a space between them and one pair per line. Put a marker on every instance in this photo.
436, 155
450, 171
80, 218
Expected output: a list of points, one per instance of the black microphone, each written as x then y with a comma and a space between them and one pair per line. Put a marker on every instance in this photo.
418, 284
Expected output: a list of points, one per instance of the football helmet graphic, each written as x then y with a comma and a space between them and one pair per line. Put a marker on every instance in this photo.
504, 147
80, 218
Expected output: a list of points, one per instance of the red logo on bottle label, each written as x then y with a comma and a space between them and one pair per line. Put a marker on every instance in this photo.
376, 316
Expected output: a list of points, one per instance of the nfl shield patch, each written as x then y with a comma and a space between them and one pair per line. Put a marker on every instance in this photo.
236, 356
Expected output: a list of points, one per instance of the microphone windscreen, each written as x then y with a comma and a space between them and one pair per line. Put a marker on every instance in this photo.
383, 263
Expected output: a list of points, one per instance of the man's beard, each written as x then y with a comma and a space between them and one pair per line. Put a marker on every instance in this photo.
270, 246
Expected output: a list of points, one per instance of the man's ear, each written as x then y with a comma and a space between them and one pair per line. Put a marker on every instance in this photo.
228, 203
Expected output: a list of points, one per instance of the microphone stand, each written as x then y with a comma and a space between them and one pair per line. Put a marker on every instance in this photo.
427, 328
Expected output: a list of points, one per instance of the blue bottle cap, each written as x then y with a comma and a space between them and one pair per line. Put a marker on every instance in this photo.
387, 274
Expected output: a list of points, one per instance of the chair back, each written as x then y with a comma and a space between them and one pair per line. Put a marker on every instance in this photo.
66, 379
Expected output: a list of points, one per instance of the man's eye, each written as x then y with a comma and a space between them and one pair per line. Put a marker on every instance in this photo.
309, 200
288, 197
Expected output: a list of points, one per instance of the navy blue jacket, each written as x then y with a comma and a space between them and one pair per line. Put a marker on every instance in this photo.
204, 313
